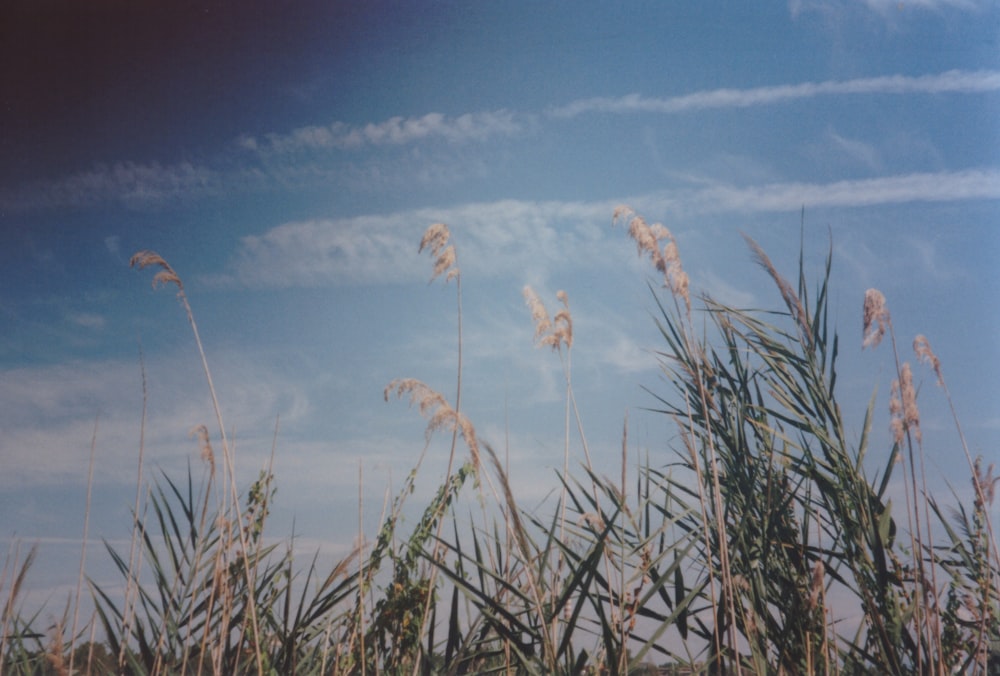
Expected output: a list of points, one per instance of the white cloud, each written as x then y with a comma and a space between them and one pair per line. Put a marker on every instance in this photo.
48, 414
86, 320
859, 151
627, 356
922, 187
885, 8
533, 238
130, 183
723, 292
394, 131
497, 237
953, 81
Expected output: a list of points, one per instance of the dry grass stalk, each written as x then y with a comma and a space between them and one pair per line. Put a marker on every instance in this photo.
167, 275
83, 546
135, 561
16, 577
666, 260
437, 411
875, 319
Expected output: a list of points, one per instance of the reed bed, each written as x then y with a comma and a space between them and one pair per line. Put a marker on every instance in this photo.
761, 545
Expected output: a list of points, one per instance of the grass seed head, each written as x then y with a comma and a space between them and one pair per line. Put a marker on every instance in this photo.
207, 454
875, 319
667, 260
985, 482
166, 275
903, 411
792, 300
438, 412
554, 332
436, 240
922, 348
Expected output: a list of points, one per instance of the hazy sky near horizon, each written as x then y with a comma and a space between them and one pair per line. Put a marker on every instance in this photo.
285, 158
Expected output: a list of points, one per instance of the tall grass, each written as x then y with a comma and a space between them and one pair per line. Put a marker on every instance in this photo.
764, 543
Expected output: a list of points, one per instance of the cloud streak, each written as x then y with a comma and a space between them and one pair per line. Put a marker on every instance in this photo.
380, 249
540, 236
395, 131
130, 183
972, 184
953, 81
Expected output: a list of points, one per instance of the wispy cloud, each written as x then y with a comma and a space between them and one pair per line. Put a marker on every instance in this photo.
885, 8
953, 81
858, 151
130, 183
534, 237
394, 131
972, 184
86, 320
48, 414
379, 249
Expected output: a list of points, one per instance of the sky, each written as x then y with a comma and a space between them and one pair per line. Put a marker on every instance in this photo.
285, 159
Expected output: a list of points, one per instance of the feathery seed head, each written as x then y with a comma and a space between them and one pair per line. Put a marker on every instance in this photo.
903, 411
166, 275
816, 588
666, 261
539, 315
792, 300
438, 412
985, 482
436, 240
554, 332
875, 319
207, 454
563, 322
922, 348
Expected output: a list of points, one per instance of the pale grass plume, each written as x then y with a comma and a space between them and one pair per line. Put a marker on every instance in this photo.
985, 482
554, 332
166, 275
591, 519
438, 412
817, 584
666, 260
903, 407
55, 654
875, 319
788, 294
922, 348
205, 446
436, 239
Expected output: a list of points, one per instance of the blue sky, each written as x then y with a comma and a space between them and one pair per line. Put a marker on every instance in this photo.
286, 159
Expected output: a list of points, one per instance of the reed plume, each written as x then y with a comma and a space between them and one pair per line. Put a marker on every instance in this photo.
788, 294
436, 240
554, 332
438, 412
666, 260
875, 319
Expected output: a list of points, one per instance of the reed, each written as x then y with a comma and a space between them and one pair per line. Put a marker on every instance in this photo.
760, 544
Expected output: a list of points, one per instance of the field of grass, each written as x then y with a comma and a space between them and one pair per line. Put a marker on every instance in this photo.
763, 545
